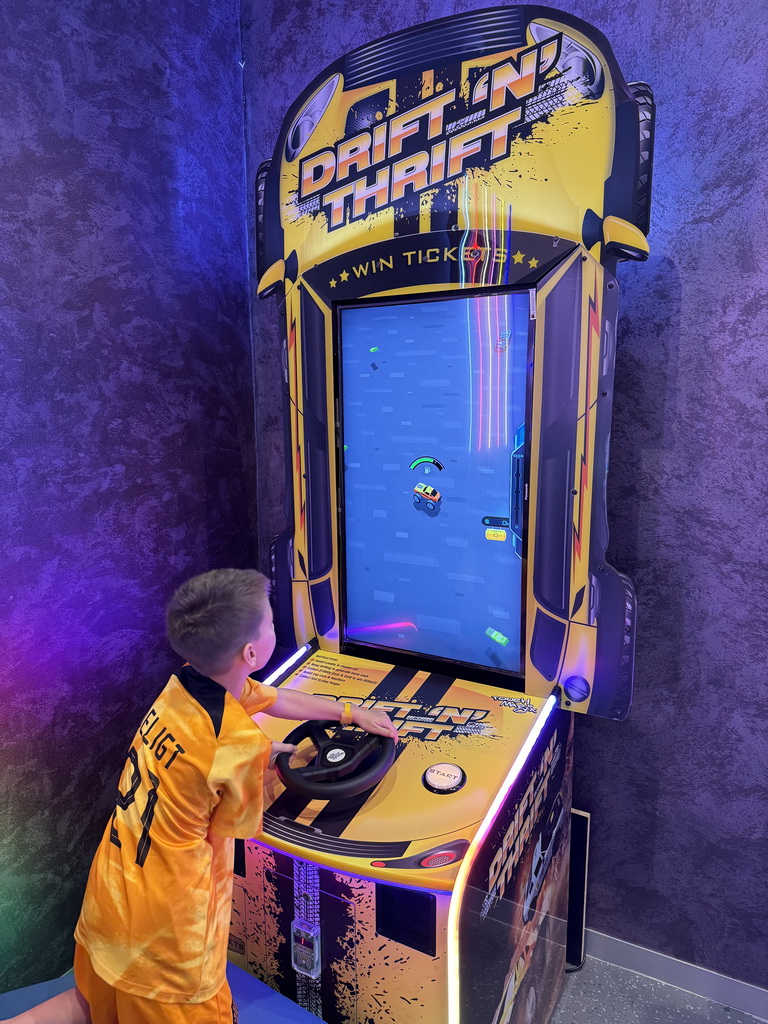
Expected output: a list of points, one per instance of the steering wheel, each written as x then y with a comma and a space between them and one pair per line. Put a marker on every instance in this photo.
337, 769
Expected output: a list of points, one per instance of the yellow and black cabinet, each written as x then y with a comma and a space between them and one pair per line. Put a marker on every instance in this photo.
441, 223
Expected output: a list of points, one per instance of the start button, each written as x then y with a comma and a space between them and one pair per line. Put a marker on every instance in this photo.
444, 778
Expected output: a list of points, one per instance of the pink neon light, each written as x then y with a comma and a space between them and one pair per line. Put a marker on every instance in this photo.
382, 628
471, 375
481, 386
493, 384
454, 985
506, 387
496, 329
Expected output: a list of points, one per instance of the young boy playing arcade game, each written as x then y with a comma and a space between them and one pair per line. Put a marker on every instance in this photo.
151, 941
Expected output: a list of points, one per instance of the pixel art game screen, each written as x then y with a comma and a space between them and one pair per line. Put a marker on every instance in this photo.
433, 400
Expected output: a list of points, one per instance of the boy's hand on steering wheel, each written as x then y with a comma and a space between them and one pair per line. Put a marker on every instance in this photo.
377, 722
280, 748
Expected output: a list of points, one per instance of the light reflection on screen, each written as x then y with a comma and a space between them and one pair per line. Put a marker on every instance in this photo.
433, 436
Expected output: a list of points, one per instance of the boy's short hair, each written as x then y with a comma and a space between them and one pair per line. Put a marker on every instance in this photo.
213, 616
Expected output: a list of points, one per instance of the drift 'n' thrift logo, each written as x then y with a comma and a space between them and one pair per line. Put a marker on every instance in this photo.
430, 143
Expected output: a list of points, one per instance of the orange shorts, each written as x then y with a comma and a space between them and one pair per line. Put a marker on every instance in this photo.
109, 1005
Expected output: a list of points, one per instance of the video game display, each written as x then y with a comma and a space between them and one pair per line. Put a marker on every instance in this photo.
433, 406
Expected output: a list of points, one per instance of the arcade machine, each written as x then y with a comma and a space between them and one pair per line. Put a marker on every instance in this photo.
441, 224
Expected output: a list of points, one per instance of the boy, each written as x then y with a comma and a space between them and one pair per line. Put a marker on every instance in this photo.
151, 941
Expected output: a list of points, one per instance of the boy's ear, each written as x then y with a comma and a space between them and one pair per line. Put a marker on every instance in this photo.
249, 656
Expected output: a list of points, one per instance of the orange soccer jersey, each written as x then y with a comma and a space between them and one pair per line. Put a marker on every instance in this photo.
156, 911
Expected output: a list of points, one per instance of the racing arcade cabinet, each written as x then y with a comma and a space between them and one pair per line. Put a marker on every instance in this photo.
441, 223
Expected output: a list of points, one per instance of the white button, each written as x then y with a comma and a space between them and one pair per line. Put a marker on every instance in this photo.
444, 778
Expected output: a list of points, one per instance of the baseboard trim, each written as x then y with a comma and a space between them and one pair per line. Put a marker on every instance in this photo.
739, 995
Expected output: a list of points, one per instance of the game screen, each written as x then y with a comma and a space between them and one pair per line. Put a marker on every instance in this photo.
433, 399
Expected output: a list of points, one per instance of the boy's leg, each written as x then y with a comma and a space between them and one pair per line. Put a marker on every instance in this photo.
98, 996
66, 1008
218, 1010
109, 1005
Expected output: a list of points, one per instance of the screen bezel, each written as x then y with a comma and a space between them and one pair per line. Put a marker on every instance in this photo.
395, 655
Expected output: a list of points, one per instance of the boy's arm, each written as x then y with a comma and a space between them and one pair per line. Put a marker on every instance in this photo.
297, 706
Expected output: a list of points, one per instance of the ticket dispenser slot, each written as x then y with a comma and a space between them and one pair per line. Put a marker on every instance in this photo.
305, 948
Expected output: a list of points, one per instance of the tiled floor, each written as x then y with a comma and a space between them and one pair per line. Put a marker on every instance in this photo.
599, 994
604, 994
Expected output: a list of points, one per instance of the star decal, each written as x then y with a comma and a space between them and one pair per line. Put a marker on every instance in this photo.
533, 263
332, 282
518, 257
344, 275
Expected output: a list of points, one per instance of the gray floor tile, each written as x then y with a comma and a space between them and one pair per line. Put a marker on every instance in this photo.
603, 994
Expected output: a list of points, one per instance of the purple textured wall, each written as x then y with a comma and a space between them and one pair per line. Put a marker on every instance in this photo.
678, 792
126, 412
